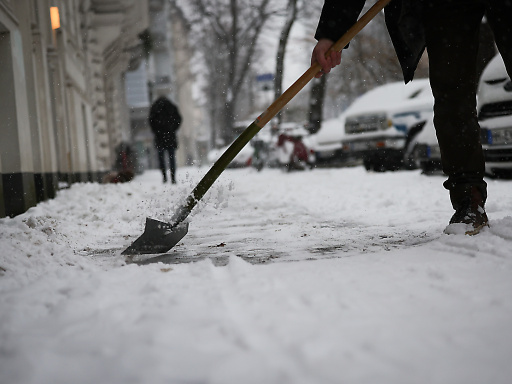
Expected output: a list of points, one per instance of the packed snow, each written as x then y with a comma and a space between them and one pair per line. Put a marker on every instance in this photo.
321, 276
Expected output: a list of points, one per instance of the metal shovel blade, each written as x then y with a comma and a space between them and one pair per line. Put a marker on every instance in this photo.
158, 237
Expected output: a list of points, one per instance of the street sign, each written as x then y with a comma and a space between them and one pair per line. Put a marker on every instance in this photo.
265, 77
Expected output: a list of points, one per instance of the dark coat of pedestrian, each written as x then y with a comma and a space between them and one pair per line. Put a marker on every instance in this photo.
165, 120
449, 30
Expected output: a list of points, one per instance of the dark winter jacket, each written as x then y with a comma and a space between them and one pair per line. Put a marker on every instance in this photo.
164, 120
403, 20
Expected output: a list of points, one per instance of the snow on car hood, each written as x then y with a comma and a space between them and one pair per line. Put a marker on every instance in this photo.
332, 131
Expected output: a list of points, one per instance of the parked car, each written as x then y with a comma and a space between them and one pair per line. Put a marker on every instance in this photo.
378, 124
328, 144
423, 150
495, 117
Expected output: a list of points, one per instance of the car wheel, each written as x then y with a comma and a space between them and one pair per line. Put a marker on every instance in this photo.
379, 167
367, 164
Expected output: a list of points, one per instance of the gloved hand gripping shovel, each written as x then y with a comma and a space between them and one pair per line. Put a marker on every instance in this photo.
158, 236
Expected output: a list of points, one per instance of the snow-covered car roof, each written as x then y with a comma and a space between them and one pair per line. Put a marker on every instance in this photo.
394, 96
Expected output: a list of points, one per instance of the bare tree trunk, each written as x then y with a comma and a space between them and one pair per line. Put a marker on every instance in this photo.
291, 16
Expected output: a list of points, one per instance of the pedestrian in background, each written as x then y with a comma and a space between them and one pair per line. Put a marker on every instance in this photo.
165, 120
449, 29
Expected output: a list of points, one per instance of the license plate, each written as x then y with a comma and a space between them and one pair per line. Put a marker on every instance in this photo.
501, 136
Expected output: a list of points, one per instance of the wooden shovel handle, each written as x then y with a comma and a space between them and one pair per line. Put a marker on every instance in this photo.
233, 150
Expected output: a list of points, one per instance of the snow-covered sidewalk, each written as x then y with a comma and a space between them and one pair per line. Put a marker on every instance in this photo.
324, 276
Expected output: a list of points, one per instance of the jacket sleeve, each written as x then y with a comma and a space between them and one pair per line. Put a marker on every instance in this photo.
337, 17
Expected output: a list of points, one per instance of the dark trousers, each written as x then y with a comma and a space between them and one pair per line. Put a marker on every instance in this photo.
172, 162
452, 32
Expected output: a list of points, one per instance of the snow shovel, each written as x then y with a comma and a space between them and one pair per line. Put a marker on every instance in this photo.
160, 237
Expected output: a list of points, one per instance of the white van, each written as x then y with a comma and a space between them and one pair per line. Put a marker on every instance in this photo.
378, 125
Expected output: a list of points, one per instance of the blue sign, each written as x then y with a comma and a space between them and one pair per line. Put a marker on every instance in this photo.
265, 77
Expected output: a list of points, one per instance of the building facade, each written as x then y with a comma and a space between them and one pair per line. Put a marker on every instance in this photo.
62, 97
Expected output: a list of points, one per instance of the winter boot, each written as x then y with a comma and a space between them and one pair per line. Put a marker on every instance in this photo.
469, 210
